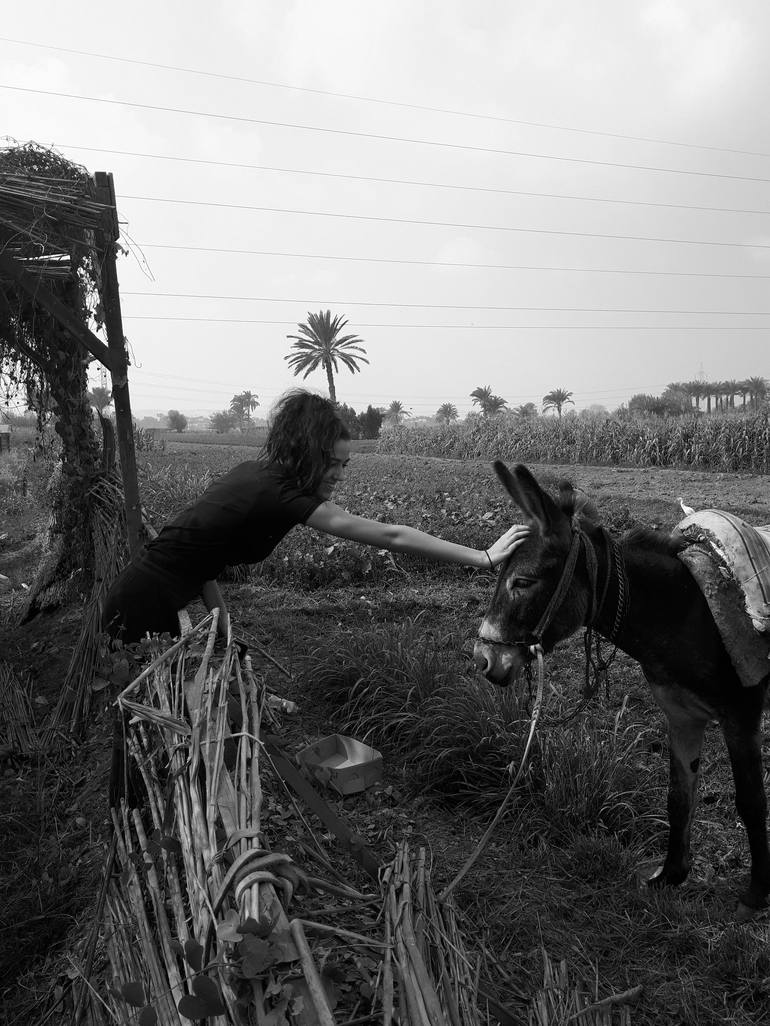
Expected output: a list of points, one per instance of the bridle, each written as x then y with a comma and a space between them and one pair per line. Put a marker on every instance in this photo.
615, 567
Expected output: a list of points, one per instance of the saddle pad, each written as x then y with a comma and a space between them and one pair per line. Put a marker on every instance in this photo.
730, 562
745, 552
749, 651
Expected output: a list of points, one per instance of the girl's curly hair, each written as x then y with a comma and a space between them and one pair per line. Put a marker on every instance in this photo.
304, 429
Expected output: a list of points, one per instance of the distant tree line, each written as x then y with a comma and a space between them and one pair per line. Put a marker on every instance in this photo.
682, 397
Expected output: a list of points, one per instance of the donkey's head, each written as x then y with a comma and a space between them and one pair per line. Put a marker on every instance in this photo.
535, 602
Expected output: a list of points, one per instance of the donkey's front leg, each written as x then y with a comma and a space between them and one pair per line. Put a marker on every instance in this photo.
686, 727
744, 743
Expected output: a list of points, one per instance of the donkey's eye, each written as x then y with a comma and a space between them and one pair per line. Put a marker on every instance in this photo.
520, 582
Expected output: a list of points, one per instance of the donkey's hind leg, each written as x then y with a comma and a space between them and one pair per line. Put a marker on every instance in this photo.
742, 731
687, 721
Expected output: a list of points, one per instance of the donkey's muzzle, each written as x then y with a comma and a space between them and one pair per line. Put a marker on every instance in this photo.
499, 663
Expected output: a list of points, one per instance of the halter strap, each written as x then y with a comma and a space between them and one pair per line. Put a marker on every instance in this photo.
560, 592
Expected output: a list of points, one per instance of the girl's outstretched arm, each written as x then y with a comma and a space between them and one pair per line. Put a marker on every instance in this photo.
332, 519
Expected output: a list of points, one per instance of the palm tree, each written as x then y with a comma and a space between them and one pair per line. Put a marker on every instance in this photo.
490, 404
731, 387
241, 406
555, 400
481, 397
319, 345
525, 410
757, 390
696, 390
100, 398
495, 404
446, 413
396, 412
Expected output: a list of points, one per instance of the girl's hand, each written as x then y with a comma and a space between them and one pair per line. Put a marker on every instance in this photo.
507, 543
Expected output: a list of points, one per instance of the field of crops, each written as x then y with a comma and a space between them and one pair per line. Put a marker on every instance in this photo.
727, 443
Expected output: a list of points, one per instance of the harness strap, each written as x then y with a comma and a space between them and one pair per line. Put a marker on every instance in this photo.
592, 568
562, 587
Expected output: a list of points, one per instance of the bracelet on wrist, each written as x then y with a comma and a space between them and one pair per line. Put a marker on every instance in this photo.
489, 560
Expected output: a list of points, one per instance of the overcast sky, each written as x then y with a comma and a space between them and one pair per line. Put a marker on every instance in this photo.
521, 195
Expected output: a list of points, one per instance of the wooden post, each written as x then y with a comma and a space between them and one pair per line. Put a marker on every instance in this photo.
113, 323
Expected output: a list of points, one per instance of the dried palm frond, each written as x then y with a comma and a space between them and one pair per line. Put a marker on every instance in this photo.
17, 729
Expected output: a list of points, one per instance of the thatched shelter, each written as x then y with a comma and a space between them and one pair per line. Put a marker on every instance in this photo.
58, 288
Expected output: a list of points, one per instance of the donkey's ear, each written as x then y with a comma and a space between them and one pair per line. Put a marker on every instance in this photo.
536, 504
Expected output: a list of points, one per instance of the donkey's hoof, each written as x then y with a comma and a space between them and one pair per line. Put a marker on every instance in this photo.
659, 876
650, 876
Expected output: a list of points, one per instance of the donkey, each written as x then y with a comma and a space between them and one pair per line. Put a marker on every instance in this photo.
634, 591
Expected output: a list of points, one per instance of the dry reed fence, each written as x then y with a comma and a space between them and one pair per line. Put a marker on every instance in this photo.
107, 527
198, 915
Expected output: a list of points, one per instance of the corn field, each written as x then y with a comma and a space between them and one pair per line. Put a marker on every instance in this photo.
710, 443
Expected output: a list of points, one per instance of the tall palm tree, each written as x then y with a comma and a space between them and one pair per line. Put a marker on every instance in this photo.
556, 399
319, 344
242, 405
446, 413
396, 412
481, 397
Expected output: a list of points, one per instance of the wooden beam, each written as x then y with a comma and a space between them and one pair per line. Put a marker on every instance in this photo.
34, 287
118, 365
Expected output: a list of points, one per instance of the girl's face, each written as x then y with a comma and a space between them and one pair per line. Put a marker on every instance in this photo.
336, 470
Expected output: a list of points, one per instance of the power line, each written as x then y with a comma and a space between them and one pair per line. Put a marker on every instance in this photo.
141, 375
445, 263
444, 306
442, 224
471, 327
380, 100
242, 119
418, 184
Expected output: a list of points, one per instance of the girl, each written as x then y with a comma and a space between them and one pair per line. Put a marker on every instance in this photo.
244, 514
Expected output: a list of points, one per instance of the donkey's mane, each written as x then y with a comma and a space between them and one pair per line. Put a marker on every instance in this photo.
577, 504
662, 542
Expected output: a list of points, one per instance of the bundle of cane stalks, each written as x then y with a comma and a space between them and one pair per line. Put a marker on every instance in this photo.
561, 1002
436, 976
200, 917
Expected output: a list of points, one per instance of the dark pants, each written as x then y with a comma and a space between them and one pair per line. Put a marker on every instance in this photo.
137, 603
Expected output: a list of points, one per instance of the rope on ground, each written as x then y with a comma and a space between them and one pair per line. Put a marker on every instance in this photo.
470, 862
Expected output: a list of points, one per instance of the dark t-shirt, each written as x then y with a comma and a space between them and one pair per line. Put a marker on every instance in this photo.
240, 518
